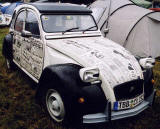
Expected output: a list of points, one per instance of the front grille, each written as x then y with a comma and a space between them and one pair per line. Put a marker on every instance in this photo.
128, 90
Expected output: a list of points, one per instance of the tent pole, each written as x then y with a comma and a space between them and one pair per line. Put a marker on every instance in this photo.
152, 4
106, 21
108, 13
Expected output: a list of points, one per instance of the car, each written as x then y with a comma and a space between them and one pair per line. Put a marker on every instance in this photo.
4, 4
155, 4
3, 8
6, 13
1, 5
80, 75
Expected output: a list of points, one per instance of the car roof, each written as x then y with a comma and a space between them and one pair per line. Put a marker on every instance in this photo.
60, 8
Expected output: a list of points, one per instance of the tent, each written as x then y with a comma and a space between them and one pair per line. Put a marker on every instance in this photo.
135, 28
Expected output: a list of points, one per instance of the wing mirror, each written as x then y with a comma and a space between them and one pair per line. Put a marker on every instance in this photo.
26, 33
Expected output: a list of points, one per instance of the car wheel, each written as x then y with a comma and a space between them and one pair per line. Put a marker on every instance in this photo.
58, 103
55, 105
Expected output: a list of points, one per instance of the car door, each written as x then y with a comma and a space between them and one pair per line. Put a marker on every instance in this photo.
32, 47
17, 38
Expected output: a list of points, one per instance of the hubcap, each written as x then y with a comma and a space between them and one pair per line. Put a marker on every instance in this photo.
55, 105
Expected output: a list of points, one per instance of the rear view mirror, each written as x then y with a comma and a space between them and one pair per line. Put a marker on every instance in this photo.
26, 33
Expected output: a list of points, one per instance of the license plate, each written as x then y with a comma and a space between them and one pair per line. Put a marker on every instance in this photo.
131, 103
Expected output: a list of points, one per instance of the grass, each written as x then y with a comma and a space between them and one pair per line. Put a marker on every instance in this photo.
18, 109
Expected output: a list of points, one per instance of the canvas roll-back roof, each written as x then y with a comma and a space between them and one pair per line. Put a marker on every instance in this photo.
60, 8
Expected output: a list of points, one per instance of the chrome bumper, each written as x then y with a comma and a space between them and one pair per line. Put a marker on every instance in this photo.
115, 115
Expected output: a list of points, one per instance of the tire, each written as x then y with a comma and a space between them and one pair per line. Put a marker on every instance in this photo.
55, 105
55, 94
65, 116
62, 79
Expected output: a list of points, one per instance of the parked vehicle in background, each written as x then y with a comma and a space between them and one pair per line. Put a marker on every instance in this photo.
80, 74
4, 7
155, 5
7, 13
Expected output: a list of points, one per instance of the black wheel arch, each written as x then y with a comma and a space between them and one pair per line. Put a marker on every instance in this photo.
7, 48
60, 74
66, 78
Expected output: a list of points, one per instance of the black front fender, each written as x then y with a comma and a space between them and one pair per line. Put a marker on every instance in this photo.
66, 78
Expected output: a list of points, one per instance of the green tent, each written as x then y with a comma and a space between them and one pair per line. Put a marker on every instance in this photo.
142, 3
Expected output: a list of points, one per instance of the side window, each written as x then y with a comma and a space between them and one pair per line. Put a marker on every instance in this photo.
32, 24
19, 23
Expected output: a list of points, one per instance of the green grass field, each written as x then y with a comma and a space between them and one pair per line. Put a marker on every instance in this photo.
18, 109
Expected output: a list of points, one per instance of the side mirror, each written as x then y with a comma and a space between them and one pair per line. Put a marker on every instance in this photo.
26, 33
106, 31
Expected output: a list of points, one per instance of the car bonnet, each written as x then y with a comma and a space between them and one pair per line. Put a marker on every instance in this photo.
116, 64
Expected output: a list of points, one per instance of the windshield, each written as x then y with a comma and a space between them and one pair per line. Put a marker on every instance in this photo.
66, 23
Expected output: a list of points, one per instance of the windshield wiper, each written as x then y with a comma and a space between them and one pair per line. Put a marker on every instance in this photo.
68, 30
89, 28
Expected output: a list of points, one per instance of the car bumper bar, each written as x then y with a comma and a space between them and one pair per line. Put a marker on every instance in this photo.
115, 115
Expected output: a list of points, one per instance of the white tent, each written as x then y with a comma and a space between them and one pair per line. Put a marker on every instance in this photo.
133, 27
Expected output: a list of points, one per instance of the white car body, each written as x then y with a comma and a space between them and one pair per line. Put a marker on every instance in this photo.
87, 49
97, 51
